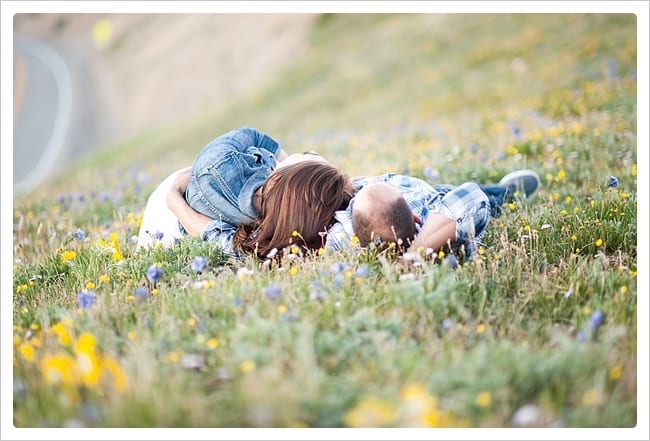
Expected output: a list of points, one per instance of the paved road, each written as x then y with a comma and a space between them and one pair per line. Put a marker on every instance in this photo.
56, 111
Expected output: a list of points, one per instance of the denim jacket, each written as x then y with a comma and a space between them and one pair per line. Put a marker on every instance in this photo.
225, 175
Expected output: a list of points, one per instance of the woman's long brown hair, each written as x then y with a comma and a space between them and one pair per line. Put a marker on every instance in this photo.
301, 197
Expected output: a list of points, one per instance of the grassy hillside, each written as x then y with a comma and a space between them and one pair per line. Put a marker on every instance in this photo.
539, 329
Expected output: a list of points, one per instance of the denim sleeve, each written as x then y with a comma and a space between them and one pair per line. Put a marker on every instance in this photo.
222, 233
469, 207
243, 138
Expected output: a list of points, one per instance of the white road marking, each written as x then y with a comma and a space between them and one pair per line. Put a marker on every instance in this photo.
57, 65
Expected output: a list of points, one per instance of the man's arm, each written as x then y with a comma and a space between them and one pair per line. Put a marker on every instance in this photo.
438, 230
194, 222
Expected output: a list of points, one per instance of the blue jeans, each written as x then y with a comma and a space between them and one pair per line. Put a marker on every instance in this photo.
496, 194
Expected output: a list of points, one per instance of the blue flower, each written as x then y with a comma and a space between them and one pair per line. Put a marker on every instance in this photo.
596, 319
337, 267
80, 234
338, 281
272, 292
199, 264
141, 293
430, 173
515, 130
316, 291
86, 299
452, 261
612, 181
158, 235
580, 336
446, 324
362, 271
154, 273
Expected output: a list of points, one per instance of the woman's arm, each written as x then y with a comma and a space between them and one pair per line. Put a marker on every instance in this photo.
194, 222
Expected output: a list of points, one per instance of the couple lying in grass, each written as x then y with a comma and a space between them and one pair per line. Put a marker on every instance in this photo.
248, 195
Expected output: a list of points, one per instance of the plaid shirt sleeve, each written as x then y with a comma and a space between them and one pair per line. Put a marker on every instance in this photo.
469, 207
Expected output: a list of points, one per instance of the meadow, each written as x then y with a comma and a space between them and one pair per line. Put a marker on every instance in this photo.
539, 329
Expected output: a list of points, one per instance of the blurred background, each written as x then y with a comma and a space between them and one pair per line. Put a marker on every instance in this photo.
374, 92
84, 81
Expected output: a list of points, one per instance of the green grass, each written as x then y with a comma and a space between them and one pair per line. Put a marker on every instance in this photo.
352, 339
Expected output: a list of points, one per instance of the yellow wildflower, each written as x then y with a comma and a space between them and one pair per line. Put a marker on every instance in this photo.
483, 399
68, 255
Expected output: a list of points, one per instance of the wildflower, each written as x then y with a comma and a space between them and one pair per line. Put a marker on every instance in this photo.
294, 233
68, 255
272, 292
480, 329
370, 412
158, 235
337, 267
430, 173
615, 373
86, 299
247, 366
596, 319
104, 278
154, 272
90, 284
117, 255
117, 374
599, 242
199, 264
446, 324
212, 343
27, 351
316, 291
141, 293
60, 369
80, 234
362, 271
452, 261
293, 270
612, 181
483, 399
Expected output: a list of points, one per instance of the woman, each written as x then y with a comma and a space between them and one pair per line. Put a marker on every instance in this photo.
239, 195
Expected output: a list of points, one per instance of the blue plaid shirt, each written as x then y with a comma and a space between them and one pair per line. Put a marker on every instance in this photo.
466, 204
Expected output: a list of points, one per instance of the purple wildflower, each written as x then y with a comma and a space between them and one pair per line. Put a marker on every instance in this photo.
154, 273
430, 173
596, 319
80, 234
141, 293
337, 267
362, 271
199, 264
272, 292
158, 235
86, 299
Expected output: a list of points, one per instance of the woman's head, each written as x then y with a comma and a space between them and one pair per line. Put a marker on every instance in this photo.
300, 197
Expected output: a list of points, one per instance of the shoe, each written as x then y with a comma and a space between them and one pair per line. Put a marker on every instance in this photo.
520, 184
